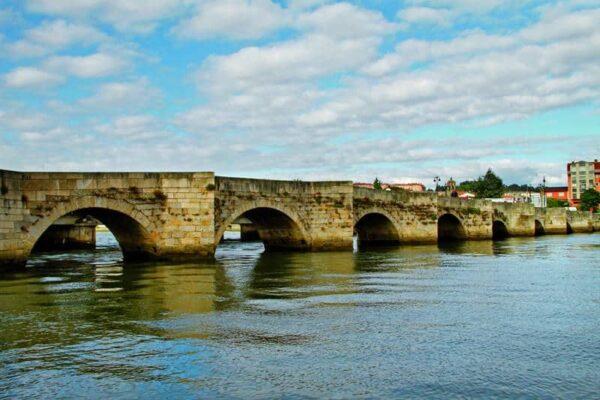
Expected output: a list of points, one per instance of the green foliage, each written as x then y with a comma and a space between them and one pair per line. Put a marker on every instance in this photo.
473, 185
489, 186
555, 203
513, 187
590, 199
467, 186
377, 184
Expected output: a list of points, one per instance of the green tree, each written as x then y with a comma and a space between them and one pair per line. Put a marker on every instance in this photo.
555, 203
489, 186
513, 187
377, 184
467, 186
590, 199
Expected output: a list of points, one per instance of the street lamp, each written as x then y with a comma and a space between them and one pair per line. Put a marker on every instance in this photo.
543, 200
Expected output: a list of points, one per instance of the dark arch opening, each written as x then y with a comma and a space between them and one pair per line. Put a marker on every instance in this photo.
277, 230
450, 228
539, 228
499, 230
376, 230
134, 240
569, 228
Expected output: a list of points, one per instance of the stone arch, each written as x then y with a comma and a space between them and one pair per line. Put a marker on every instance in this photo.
450, 228
132, 229
376, 228
278, 228
539, 228
499, 230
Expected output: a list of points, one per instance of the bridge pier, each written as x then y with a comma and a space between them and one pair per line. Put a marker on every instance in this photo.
248, 233
67, 237
580, 221
550, 221
517, 218
475, 217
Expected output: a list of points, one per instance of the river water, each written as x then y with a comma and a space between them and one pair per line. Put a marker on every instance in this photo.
513, 318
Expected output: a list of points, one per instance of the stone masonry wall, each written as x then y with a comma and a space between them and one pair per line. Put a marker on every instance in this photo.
580, 221
475, 215
13, 211
321, 210
167, 215
596, 222
553, 220
519, 218
184, 215
413, 214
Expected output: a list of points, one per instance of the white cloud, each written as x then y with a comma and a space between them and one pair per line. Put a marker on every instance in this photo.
119, 96
471, 6
309, 103
476, 78
22, 120
298, 60
134, 128
413, 51
125, 15
306, 4
91, 66
426, 15
234, 19
29, 77
345, 21
51, 36
563, 26
328, 47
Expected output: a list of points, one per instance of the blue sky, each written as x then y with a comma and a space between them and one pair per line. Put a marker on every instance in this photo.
309, 89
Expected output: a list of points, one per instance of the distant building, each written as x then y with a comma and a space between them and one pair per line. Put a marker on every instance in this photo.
558, 192
581, 176
411, 187
537, 200
517, 197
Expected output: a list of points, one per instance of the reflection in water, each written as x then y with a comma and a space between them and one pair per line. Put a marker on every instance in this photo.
511, 318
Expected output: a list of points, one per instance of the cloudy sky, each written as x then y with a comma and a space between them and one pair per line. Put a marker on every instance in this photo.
310, 89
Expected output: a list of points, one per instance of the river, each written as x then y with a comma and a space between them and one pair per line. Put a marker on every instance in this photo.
505, 319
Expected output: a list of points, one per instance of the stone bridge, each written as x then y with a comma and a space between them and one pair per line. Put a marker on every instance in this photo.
183, 216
